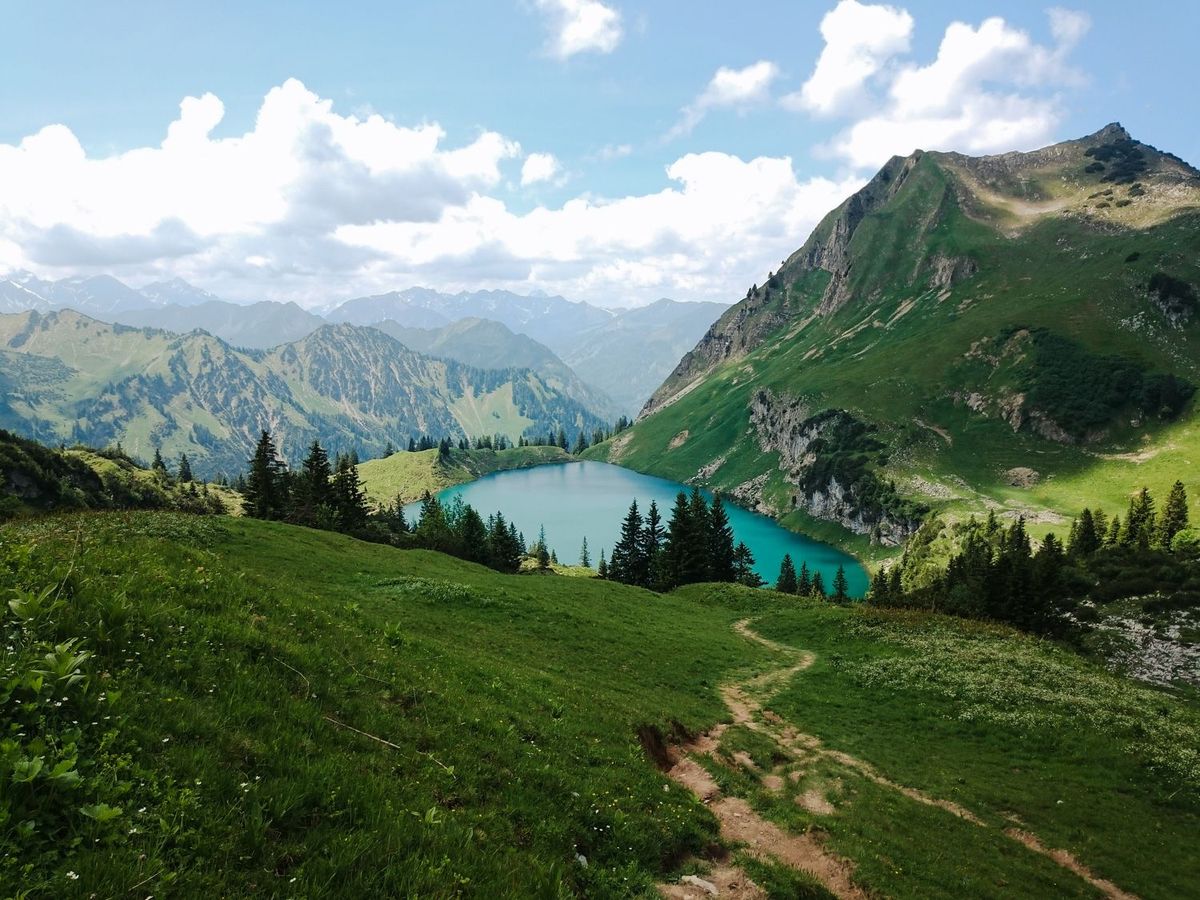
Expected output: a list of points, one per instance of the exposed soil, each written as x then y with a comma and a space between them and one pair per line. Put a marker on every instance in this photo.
765, 840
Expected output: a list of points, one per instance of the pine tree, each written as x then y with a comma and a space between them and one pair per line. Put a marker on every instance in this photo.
804, 581
158, 467
584, 559
786, 583
1139, 521
743, 567
185, 470
1085, 540
388, 450
472, 536
541, 551
349, 501
602, 567
652, 540
562, 438
1174, 515
581, 444
896, 583
313, 496
679, 547
720, 543
841, 590
1113, 537
432, 529
880, 591
628, 563
265, 491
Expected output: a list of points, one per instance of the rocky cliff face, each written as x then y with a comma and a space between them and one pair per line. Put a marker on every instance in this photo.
822, 456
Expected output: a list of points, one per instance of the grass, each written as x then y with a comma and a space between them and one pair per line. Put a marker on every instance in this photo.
897, 353
409, 475
289, 712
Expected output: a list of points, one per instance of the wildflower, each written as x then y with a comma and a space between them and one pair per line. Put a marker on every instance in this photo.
73, 876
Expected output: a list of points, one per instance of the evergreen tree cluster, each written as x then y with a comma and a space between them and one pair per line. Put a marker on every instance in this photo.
810, 584
995, 574
329, 495
695, 545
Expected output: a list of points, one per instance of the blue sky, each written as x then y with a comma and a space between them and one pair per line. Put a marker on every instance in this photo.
652, 173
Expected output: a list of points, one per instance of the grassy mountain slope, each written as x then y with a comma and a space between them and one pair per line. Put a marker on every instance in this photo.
1015, 332
409, 475
84, 381
273, 710
487, 344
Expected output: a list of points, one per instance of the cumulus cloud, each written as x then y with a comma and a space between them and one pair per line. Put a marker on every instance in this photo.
859, 40
580, 26
990, 88
539, 167
728, 89
311, 205
715, 230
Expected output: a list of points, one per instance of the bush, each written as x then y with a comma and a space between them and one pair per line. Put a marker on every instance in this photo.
1187, 543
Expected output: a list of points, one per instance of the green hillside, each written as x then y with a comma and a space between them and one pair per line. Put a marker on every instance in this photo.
238, 708
1015, 333
82, 381
408, 475
486, 344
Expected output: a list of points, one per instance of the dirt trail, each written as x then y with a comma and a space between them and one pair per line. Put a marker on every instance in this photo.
763, 839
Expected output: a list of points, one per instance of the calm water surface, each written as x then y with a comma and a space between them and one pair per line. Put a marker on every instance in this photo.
589, 499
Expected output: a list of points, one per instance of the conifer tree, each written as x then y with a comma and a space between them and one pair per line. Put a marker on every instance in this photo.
313, 494
841, 590
743, 567
432, 529
473, 536
652, 540
1085, 540
158, 467
786, 583
879, 592
541, 551
896, 583
184, 475
581, 444
680, 546
1174, 515
602, 566
1139, 521
584, 559
720, 543
349, 501
1113, 537
804, 580
265, 490
628, 563
562, 438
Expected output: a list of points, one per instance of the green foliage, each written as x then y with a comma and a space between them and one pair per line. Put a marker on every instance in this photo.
1083, 392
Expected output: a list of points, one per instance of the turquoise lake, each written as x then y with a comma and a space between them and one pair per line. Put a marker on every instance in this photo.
589, 499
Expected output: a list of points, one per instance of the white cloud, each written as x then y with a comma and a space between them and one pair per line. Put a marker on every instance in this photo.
728, 89
581, 26
539, 167
311, 205
990, 88
860, 39
718, 229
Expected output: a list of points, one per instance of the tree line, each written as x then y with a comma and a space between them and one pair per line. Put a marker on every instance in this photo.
810, 584
996, 574
696, 544
329, 496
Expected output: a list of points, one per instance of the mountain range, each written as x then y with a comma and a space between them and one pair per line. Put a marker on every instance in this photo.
618, 356
1015, 333
66, 377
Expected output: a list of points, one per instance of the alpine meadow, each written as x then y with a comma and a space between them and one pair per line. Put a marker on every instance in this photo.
560, 449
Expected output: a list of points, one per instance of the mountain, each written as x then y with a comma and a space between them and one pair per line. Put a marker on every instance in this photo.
633, 352
483, 343
95, 295
176, 292
256, 325
550, 320
72, 378
1016, 333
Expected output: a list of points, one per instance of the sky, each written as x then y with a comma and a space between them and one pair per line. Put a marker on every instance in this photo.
600, 149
